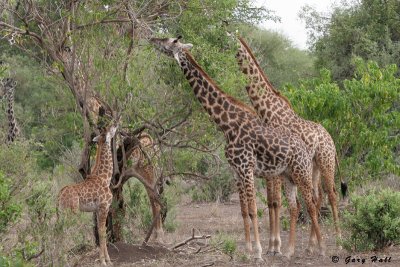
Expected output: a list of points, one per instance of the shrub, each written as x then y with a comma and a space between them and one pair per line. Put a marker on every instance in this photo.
9, 210
226, 243
139, 208
218, 188
229, 247
374, 223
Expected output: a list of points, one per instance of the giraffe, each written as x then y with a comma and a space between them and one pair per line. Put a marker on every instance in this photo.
141, 160
94, 193
276, 111
251, 147
95, 106
9, 85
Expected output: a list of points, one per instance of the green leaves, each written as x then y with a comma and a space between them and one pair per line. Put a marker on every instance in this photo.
363, 118
369, 29
374, 221
9, 209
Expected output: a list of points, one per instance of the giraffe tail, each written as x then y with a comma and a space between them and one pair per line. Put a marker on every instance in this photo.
343, 184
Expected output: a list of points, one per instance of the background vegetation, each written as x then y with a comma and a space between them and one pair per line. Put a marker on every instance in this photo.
348, 81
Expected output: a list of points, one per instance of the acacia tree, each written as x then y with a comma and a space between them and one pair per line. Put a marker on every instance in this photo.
367, 28
59, 35
95, 47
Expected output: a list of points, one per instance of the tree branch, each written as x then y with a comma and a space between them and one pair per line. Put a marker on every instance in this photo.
193, 237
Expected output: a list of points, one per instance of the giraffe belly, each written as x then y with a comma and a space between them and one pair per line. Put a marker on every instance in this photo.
264, 169
89, 206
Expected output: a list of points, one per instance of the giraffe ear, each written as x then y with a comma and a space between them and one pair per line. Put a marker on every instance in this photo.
96, 139
187, 46
14, 83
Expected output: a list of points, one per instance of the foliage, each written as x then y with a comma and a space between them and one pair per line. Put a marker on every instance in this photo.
218, 188
44, 110
9, 209
138, 205
366, 28
13, 262
374, 223
363, 118
281, 61
226, 243
229, 247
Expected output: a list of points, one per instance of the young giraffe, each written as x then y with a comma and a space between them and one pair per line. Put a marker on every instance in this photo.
251, 149
9, 85
94, 106
275, 110
94, 193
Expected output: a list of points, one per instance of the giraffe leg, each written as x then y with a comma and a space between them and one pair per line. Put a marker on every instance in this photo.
308, 195
271, 213
316, 175
251, 201
101, 220
277, 222
332, 196
291, 195
326, 161
245, 213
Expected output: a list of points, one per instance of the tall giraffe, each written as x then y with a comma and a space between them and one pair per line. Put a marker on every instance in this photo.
8, 89
275, 110
96, 106
94, 193
251, 148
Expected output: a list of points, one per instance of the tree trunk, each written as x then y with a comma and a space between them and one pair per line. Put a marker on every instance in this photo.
116, 216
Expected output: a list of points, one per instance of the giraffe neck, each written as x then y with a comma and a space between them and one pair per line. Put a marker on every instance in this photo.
268, 102
223, 109
13, 129
103, 167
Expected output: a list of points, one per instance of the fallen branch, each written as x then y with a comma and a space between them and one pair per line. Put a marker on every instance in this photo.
193, 237
37, 255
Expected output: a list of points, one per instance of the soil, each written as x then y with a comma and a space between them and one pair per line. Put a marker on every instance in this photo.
222, 221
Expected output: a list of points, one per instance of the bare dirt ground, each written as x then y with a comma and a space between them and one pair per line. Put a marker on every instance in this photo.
224, 220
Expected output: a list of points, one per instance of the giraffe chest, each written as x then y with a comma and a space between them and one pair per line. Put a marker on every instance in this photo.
265, 154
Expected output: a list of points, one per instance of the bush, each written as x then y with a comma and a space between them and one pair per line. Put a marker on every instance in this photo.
139, 209
225, 243
9, 210
374, 223
218, 188
362, 117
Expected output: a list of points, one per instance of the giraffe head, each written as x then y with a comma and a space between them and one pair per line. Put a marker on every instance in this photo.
107, 135
170, 46
8, 85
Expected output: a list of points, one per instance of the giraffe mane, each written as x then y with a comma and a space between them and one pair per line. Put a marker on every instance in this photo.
98, 152
279, 94
211, 81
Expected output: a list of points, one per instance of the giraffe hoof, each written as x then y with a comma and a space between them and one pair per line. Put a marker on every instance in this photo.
309, 250
289, 255
277, 253
270, 253
259, 261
